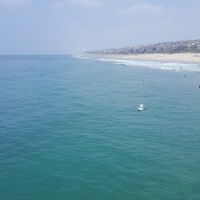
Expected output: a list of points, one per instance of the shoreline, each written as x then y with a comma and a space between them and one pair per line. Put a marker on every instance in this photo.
177, 57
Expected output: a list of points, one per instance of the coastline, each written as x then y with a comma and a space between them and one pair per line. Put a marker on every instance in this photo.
176, 57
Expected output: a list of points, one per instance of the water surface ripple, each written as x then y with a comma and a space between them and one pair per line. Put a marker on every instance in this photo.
70, 129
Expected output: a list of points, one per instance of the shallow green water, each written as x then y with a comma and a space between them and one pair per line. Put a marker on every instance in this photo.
70, 129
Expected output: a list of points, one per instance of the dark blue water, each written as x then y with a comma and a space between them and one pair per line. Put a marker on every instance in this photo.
70, 129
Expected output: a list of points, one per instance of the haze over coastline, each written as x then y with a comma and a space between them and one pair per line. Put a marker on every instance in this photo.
75, 26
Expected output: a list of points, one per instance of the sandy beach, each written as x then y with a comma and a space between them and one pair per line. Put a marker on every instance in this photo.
177, 57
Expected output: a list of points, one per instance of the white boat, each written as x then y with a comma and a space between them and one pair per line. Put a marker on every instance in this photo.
141, 107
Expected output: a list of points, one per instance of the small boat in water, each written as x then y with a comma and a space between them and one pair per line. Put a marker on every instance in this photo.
141, 107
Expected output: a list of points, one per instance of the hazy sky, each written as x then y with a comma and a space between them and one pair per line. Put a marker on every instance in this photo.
72, 26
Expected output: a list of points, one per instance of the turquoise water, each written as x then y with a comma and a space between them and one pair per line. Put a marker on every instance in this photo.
70, 129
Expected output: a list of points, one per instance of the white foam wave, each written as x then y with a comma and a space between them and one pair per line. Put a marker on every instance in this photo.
158, 65
79, 56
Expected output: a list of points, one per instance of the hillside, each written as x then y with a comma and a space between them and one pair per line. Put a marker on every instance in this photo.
165, 47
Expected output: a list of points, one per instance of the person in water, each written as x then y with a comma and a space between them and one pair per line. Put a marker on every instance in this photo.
142, 81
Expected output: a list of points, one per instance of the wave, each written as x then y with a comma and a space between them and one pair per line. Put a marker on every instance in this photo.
157, 65
162, 65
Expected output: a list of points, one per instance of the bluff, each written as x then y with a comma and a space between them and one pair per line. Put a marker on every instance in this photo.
164, 47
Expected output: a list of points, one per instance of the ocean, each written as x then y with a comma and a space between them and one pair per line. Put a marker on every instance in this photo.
70, 129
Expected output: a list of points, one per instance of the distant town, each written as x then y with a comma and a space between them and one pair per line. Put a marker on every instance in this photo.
165, 47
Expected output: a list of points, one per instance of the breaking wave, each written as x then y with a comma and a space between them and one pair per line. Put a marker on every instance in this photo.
158, 65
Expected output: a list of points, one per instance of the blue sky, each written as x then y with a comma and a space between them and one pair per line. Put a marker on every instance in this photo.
73, 26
